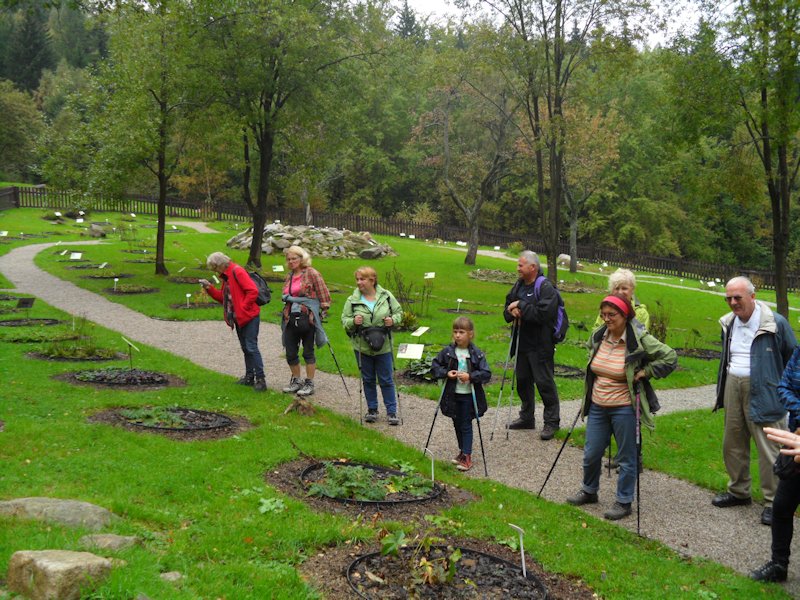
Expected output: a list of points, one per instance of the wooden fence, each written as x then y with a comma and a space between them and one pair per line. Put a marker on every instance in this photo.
40, 197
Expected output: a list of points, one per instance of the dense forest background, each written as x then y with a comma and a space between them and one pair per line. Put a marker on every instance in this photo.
549, 116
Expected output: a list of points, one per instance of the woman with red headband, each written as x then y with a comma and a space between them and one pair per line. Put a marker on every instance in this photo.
623, 358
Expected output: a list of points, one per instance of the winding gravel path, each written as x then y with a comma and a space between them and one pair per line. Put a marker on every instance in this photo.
677, 513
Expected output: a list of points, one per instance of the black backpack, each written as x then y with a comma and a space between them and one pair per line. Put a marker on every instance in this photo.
264, 293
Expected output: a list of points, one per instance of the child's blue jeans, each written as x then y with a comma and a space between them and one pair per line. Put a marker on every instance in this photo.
463, 422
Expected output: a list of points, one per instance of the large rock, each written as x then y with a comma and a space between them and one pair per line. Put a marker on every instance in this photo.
323, 241
55, 574
72, 513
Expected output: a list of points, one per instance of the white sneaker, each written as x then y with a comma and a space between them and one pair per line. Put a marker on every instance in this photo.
307, 389
295, 383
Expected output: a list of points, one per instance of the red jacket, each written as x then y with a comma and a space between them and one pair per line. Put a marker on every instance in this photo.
243, 294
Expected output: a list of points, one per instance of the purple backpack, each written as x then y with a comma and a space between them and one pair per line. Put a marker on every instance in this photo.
562, 320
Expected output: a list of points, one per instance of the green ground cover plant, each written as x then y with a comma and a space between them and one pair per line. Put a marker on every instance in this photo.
202, 508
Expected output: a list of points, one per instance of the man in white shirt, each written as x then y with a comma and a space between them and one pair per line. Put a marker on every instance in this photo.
756, 345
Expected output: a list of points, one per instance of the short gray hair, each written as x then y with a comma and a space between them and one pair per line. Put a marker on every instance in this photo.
216, 260
619, 277
305, 257
745, 280
531, 258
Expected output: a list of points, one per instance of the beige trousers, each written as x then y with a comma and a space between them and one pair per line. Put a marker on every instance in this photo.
736, 442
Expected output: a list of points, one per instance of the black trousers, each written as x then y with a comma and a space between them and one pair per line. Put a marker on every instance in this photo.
535, 369
787, 498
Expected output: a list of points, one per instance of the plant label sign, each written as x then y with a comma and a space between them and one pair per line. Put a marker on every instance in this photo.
430, 276
412, 351
277, 268
75, 255
79, 220
419, 331
130, 343
103, 266
63, 252
25, 302
181, 270
216, 279
411, 236
3, 234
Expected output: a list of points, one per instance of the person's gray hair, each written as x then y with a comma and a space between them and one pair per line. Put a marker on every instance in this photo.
745, 280
531, 258
216, 260
305, 257
619, 277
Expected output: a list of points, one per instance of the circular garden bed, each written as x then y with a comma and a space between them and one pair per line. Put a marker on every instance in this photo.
109, 276
177, 423
182, 279
193, 305
441, 572
124, 289
702, 353
122, 378
356, 483
28, 322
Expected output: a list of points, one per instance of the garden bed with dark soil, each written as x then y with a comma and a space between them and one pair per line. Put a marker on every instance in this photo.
39, 337
702, 353
141, 261
28, 322
108, 276
86, 266
464, 311
196, 431
191, 305
101, 356
327, 570
122, 291
286, 478
182, 279
122, 378
8, 298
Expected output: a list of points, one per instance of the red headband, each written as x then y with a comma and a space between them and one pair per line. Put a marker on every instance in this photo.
618, 302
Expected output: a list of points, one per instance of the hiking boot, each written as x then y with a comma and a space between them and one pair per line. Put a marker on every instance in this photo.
548, 433
295, 383
465, 464
770, 571
260, 384
307, 388
582, 498
522, 424
618, 511
248, 379
766, 516
727, 499
371, 416
457, 459
393, 419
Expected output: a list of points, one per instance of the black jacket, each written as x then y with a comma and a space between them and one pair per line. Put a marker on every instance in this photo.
538, 316
479, 373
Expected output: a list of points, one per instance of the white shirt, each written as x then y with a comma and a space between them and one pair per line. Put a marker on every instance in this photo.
741, 340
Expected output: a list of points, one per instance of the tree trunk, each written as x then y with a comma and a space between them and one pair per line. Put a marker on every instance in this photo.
306, 206
161, 267
265, 146
474, 238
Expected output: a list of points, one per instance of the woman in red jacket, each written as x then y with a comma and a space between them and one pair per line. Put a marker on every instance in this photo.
238, 298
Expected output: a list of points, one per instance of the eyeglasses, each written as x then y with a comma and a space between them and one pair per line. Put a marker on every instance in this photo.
608, 315
728, 299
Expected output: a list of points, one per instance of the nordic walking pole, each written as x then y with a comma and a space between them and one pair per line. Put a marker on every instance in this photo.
480, 436
503, 381
396, 387
360, 389
638, 459
513, 381
338, 368
566, 439
438, 404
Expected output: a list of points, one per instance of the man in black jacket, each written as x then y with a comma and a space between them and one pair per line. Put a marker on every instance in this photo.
535, 315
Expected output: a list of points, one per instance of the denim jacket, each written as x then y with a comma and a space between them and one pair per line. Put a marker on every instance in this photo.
771, 349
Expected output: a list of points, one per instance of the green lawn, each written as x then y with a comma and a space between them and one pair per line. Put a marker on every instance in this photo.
189, 500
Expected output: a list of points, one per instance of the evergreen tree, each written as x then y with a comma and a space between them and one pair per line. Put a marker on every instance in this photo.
28, 52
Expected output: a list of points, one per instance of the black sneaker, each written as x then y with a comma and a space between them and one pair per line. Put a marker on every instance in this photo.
371, 416
393, 419
248, 379
766, 516
521, 424
260, 384
727, 499
548, 433
770, 571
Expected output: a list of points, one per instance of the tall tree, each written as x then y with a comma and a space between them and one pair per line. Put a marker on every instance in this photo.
28, 52
768, 52
270, 56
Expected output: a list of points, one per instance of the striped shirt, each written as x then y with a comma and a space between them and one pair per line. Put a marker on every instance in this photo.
608, 365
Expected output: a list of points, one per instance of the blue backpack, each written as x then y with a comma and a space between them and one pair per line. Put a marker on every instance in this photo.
562, 320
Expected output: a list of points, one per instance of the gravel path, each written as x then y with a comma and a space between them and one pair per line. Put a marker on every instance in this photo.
674, 512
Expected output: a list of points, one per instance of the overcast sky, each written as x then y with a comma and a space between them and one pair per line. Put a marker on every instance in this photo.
440, 9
